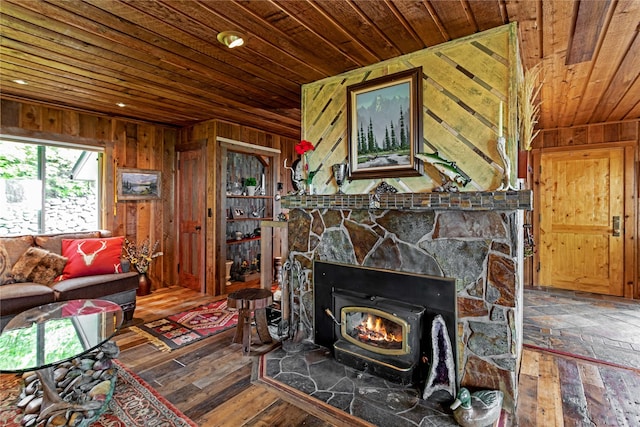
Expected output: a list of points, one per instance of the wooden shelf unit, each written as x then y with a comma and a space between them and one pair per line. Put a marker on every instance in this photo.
227, 225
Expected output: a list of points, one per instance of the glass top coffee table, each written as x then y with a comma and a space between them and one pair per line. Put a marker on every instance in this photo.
43, 337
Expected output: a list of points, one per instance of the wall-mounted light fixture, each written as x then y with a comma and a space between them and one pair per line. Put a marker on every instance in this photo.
231, 39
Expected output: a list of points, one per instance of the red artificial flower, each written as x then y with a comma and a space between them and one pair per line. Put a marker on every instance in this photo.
304, 146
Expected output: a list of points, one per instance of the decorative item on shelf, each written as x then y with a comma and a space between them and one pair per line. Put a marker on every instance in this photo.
257, 212
502, 150
302, 148
277, 264
528, 113
238, 213
263, 186
385, 187
228, 264
140, 257
528, 108
278, 195
236, 189
250, 183
296, 176
450, 174
248, 271
340, 172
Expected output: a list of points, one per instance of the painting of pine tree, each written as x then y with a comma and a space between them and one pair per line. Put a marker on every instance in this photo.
384, 125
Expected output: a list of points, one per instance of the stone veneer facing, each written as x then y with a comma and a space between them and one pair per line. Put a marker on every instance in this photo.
472, 237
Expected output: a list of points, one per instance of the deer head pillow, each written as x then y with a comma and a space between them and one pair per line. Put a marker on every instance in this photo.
89, 257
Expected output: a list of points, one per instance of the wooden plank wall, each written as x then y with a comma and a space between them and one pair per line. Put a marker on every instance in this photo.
210, 131
626, 133
127, 144
464, 82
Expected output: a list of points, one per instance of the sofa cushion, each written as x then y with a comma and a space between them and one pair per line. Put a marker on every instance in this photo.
53, 242
95, 286
88, 257
5, 266
19, 297
16, 246
38, 266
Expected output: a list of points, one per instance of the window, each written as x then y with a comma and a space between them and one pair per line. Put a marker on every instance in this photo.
48, 189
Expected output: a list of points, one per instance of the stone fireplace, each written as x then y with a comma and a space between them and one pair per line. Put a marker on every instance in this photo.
474, 238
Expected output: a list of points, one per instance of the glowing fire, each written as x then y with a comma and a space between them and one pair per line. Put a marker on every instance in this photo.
373, 330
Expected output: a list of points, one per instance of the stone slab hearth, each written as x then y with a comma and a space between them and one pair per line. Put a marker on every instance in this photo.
311, 370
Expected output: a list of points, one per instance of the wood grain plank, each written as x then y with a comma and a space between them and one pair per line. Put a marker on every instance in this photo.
458, 22
240, 409
623, 391
612, 51
556, 17
530, 361
586, 31
527, 409
398, 30
428, 27
549, 398
625, 76
574, 403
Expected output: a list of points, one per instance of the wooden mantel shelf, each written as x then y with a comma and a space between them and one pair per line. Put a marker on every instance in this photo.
467, 200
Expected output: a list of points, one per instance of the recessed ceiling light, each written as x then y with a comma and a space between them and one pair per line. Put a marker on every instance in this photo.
231, 39
121, 104
20, 82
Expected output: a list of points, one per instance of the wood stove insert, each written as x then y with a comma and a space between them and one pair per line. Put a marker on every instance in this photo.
378, 335
400, 300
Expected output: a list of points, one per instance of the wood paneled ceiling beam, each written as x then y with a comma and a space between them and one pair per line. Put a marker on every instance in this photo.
587, 27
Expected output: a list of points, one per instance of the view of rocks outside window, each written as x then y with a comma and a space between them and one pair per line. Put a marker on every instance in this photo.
67, 198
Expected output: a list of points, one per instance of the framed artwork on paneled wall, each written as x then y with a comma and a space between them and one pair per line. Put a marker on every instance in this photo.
384, 125
138, 184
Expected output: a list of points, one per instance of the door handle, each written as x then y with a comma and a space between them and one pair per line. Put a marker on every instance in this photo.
198, 228
616, 225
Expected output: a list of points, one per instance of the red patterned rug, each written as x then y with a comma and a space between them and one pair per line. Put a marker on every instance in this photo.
189, 326
134, 403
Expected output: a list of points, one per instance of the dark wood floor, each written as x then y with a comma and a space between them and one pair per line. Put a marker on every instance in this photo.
210, 381
214, 385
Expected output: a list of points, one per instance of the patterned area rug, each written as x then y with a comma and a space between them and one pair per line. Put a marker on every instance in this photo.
134, 404
188, 326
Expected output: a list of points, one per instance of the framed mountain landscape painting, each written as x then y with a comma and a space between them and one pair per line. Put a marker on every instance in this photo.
138, 184
384, 124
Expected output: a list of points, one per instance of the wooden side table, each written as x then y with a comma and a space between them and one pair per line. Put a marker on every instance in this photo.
246, 301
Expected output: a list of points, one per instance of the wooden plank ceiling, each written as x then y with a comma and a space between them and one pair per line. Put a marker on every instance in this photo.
162, 59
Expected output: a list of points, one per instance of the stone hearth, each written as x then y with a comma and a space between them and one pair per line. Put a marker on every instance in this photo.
472, 237
311, 370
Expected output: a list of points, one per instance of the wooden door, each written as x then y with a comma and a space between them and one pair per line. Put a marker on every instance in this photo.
191, 218
581, 218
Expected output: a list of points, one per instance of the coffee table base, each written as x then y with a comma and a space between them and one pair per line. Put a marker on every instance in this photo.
88, 386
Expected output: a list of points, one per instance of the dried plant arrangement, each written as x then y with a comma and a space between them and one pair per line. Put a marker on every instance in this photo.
528, 108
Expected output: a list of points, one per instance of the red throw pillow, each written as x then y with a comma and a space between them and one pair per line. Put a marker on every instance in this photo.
88, 257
